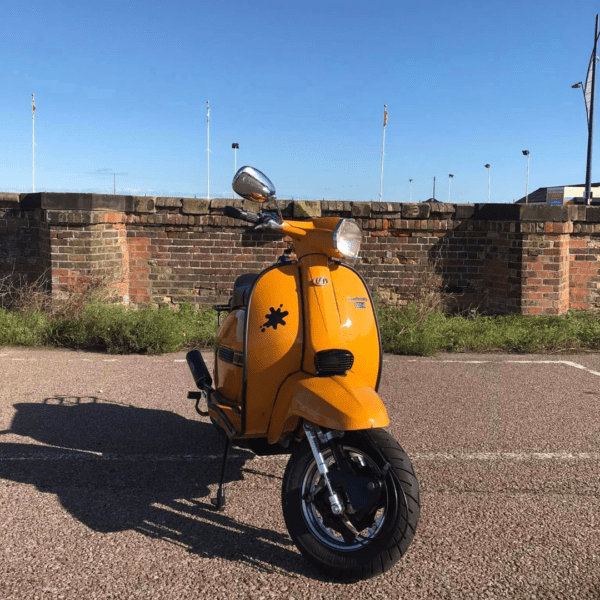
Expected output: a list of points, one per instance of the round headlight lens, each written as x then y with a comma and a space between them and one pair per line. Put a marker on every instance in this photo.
347, 237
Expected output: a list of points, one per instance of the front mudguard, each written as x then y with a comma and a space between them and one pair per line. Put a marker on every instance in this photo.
344, 403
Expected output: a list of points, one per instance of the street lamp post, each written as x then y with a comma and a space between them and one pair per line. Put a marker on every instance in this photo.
450, 176
526, 153
410, 190
235, 149
590, 89
207, 150
487, 166
33, 142
385, 116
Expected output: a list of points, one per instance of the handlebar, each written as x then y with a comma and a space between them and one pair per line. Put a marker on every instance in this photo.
243, 215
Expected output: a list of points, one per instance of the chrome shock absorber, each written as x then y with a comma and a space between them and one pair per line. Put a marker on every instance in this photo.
312, 435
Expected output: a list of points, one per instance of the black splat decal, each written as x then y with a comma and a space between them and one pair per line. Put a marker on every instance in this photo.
274, 318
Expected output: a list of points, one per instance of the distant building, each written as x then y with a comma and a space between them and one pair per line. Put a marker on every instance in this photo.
562, 194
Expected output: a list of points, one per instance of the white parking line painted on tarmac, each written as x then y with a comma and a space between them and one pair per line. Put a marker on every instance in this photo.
82, 456
578, 366
179, 360
509, 456
568, 363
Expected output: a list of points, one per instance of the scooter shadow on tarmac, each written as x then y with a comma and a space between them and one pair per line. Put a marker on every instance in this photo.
116, 467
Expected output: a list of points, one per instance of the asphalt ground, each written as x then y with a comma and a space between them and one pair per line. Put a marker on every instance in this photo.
106, 473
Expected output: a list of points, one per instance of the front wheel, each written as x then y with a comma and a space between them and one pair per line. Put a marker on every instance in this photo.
379, 491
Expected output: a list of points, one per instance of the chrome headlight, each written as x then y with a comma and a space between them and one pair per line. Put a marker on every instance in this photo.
347, 237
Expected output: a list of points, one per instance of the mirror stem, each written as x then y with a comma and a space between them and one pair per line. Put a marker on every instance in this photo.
278, 207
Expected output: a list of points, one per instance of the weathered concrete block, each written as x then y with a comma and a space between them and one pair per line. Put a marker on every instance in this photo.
416, 211
70, 201
463, 211
285, 206
255, 206
195, 206
8, 200
577, 212
442, 207
384, 207
543, 212
592, 214
497, 212
30, 201
144, 204
307, 208
217, 203
71, 217
361, 209
168, 202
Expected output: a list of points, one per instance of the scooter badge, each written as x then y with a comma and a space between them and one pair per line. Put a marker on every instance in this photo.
358, 302
320, 281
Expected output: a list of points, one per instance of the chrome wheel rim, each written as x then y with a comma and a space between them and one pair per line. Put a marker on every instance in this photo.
312, 482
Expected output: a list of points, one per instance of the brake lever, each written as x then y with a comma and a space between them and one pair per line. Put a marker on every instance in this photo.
269, 221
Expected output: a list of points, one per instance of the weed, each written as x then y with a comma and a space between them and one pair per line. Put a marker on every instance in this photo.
20, 294
87, 317
404, 333
120, 329
85, 314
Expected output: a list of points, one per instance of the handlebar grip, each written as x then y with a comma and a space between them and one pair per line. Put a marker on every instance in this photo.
236, 213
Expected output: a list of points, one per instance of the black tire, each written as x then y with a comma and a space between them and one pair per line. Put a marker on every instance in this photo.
394, 521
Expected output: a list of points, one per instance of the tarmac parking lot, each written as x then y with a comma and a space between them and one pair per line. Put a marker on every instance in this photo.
106, 473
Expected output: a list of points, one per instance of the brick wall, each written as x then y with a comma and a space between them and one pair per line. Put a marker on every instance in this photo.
503, 258
24, 251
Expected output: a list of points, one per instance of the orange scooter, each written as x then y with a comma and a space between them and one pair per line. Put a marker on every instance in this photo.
297, 365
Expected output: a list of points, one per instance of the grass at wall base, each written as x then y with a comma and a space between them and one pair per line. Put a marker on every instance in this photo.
89, 316
118, 329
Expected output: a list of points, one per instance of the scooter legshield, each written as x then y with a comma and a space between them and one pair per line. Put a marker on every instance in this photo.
261, 350
272, 344
344, 403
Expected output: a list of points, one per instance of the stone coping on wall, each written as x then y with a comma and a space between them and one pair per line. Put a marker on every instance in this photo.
55, 202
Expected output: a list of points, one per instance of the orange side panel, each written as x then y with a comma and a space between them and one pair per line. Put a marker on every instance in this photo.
274, 342
228, 376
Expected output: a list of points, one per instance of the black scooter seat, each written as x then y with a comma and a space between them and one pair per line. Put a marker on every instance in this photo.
241, 290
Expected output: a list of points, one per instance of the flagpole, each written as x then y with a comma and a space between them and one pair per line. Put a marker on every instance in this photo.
207, 151
588, 170
33, 142
385, 115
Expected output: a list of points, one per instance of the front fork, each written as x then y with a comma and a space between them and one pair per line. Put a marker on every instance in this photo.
313, 434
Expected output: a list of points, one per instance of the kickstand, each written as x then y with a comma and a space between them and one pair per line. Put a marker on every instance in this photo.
219, 501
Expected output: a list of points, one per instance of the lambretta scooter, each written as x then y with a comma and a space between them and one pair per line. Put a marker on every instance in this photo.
297, 365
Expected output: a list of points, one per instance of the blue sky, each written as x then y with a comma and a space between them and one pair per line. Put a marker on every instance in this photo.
121, 87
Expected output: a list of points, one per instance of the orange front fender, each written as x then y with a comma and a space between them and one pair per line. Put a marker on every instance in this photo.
342, 403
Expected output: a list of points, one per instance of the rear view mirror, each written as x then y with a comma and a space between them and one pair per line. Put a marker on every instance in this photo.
251, 184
